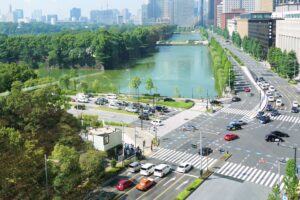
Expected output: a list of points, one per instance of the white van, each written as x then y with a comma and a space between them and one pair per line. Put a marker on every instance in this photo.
134, 167
162, 170
147, 169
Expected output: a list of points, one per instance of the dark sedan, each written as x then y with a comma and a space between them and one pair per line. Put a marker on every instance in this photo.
279, 134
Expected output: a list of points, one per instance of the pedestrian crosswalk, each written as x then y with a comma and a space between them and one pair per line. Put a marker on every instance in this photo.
249, 113
178, 157
286, 118
250, 174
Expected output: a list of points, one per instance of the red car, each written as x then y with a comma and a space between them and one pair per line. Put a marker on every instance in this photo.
230, 137
123, 184
246, 89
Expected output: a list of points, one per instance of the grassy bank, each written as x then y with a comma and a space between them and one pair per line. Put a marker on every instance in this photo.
235, 57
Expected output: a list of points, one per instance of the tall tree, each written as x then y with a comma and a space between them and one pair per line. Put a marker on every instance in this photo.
135, 83
291, 180
149, 85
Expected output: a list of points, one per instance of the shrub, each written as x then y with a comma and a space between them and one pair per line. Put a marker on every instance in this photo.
113, 163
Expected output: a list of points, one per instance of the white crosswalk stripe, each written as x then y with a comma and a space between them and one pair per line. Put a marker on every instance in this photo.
286, 118
248, 113
249, 174
178, 157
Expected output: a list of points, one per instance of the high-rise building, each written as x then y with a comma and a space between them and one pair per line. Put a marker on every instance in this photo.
18, 14
184, 13
52, 19
219, 14
37, 15
75, 14
264, 5
106, 17
216, 3
231, 5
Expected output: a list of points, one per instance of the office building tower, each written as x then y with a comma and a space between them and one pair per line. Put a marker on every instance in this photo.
264, 5
37, 15
52, 19
216, 3
75, 14
231, 5
183, 13
106, 17
18, 14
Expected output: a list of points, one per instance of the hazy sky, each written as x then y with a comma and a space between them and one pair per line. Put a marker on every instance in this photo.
62, 7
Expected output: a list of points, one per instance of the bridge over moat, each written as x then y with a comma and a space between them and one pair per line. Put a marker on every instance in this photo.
183, 43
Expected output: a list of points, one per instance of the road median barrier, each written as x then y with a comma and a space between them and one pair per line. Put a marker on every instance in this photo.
187, 191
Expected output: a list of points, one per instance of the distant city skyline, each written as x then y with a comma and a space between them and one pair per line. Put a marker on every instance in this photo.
63, 9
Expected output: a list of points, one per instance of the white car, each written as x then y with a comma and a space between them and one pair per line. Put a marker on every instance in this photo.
267, 84
114, 106
131, 109
295, 104
268, 93
272, 88
264, 87
184, 167
156, 123
83, 100
278, 102
111, 96
271, 99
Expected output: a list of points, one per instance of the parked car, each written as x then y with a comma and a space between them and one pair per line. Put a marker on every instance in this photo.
233, 127
188, 101
295, 104
144, 117
131, 109
189, 127
247, 89
101, 101
111, 96
236, 99
275, 113
279, 134
80, 107
156, 123
184, 167
162, 170
114, 106
124, 184
278, 102
229, 137
167, 99
295, 110
205, 151
269, 107
158, 108
264, 119
134, 167
271, 99
273, 138
82, 100
215, 102
145, 184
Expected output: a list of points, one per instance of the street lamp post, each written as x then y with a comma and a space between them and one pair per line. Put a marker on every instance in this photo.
46, 175
200, 150
123, 143
295, 68
295, 154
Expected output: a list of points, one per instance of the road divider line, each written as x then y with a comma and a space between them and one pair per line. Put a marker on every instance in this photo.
168, 188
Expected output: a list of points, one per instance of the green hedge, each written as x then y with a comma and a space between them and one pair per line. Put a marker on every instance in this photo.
193, 186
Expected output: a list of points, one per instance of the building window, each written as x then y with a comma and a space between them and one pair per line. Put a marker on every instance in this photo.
106, 139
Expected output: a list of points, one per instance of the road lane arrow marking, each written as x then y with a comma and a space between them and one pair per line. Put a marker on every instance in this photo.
182, 184
172, 179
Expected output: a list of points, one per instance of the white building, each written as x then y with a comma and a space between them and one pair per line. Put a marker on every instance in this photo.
104, 139
184, 13
230, 5
232, 26
219, 13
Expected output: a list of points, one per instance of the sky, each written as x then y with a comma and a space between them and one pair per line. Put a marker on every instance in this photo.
62, 7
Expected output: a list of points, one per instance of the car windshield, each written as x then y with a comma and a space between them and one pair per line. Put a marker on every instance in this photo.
181, 166
158, 170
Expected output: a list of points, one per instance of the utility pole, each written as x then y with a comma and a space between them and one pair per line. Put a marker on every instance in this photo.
295, 157
206, 99
295, 68
200, 150
123, 143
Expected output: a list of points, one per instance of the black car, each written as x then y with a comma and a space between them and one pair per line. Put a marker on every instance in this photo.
275, 113
236, 99
101, 101
264, 119
144, 117
188, 101
79, 107
295, 110
167, 99
279, 134
189, 127
260, 114
205, 151
269, 107
215, 102
158, 108
273, 138
233, 127
261, 79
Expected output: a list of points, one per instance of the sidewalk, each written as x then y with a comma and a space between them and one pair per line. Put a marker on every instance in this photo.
141, 135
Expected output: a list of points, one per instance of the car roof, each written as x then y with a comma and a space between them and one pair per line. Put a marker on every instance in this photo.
123, 181
147, 165
134, 164
160, 166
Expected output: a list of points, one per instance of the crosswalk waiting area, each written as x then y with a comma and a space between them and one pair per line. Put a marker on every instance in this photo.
253, 175
177, 157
